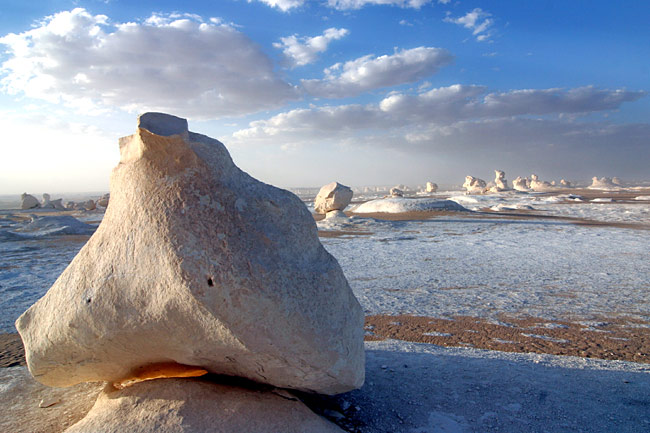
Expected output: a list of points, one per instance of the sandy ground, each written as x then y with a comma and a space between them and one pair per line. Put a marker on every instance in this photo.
619, 339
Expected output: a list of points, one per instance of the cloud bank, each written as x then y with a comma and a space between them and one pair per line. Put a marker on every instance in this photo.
175, 63
368, 72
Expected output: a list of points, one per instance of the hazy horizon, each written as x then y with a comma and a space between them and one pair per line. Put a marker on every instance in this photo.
307, 92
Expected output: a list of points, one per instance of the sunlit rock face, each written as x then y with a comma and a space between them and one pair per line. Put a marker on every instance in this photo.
521, 184
474, 185
500, 182
196, 262
332, 197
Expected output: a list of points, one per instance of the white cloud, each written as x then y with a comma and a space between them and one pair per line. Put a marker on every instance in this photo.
302, 51
368, 72
477, 20
358, 4
470, 130
283, 5
175, 63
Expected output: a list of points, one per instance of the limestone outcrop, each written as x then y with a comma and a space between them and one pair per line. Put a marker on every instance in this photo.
331, 197
396, 192
197, 263
474, 185
198, 406
602, 183
539, 185
500, 182
28, 201
431, 187
521, 184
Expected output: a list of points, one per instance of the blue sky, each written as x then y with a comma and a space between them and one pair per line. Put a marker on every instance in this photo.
302, 93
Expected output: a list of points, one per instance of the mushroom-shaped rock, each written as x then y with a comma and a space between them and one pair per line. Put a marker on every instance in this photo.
474, 185
431, 187
396, 192
333, 196
500, 181
46, 201
28, 201
197, 263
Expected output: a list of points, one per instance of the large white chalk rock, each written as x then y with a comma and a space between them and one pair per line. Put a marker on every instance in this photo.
431, 187
396, 192
333, 196
500, 182
474, 185
194, 406
196, 262
28, 201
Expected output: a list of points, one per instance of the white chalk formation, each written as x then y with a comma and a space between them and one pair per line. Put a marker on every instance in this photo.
500, 182
521, 184
396, 192
565, 183
199, 265
28, 201
538, 185
332, 197
431, 187
605, 183
474, 185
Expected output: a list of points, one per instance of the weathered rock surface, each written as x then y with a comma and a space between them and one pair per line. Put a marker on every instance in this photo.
46, 201
500, 182
22, 399
333, 196
474, 185
196, 406
28, 201
196, 262
396, 192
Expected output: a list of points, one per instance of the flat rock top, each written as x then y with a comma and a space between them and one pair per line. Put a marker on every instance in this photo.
163, 124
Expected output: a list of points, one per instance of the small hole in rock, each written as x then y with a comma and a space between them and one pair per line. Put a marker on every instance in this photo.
210, 282
88, 301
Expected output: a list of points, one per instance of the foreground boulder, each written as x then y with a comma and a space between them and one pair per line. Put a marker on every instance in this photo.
197, 263
331, 197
